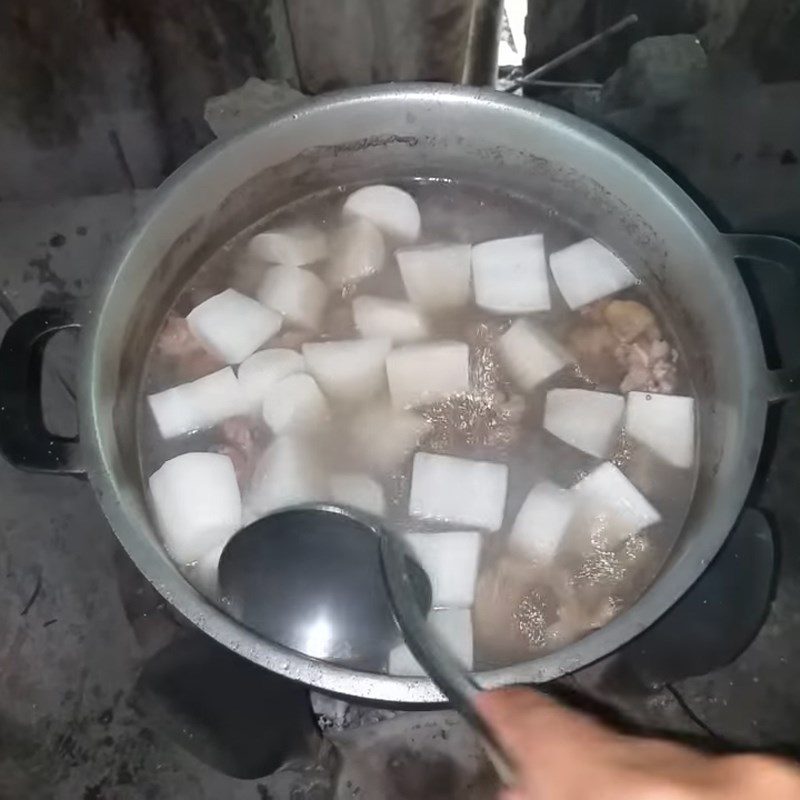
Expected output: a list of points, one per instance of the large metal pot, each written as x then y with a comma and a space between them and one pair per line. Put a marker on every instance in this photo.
375, 134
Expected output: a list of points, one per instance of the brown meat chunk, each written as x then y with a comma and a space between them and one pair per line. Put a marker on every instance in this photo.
630, 320
240, 442
175, 339
651, 367
594, 348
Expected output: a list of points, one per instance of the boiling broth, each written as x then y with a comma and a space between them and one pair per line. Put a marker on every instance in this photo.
522, 609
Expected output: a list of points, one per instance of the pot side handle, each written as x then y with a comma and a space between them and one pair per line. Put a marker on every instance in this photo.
25, 441
783, 384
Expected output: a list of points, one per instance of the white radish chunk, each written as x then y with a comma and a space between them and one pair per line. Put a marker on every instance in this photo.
437, 276
530, 355
197, 504
358, 491
424, 373
205, 571
232, 325
383, 437
454, 626
542, 522
296, 293
349, 371
609, 500
295, 404
664, 423
199, 404
510, 275
458, 490
295, 246
286, 474
585, 419
261, 370
357, 251
396, 320
391, 209
401, 662
586, 271
450, 560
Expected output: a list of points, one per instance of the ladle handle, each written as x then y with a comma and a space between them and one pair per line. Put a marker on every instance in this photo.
25, 441
784, 383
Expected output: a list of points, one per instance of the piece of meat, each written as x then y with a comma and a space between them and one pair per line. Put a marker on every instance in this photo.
241, 465
629, 320
189, 359
175, 339
240, 442
651, 367
292, 339
594, 312
594, 348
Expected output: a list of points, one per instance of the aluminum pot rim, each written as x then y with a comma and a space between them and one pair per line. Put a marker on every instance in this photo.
660, 596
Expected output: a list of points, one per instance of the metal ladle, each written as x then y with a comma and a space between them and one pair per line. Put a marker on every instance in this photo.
335, 584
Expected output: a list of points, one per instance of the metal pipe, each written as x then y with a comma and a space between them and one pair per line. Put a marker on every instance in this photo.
568, 55
483, 35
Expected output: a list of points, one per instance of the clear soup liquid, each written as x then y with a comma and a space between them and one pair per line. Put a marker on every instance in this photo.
523, 606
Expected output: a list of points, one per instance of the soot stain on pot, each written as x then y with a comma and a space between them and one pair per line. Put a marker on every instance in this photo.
366, 143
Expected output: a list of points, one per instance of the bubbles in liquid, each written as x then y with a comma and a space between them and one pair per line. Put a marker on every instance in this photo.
522, 608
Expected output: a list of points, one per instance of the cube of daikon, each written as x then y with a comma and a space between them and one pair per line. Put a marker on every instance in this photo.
402, 662
263, 369
197, 504
204, 573
396, 320
357, 251
530, 355
296, 293
391, 209
232, 326
288, 473
458, 490
353, 370
453, 626
450, 560
510, 275
358, 491
383, 437
424, 373
586, 271
664, 423
607, 498
437, 276
542, 522
584, 418
295, 404
294, 246
199, 404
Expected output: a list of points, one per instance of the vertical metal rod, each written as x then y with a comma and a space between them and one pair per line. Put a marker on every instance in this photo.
480, 51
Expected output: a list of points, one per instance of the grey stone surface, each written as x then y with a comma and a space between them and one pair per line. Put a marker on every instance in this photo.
76, 619
247, 105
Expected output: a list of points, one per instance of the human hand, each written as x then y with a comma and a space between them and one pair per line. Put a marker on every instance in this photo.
563, 755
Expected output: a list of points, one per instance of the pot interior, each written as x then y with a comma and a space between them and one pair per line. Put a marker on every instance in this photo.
391, 134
